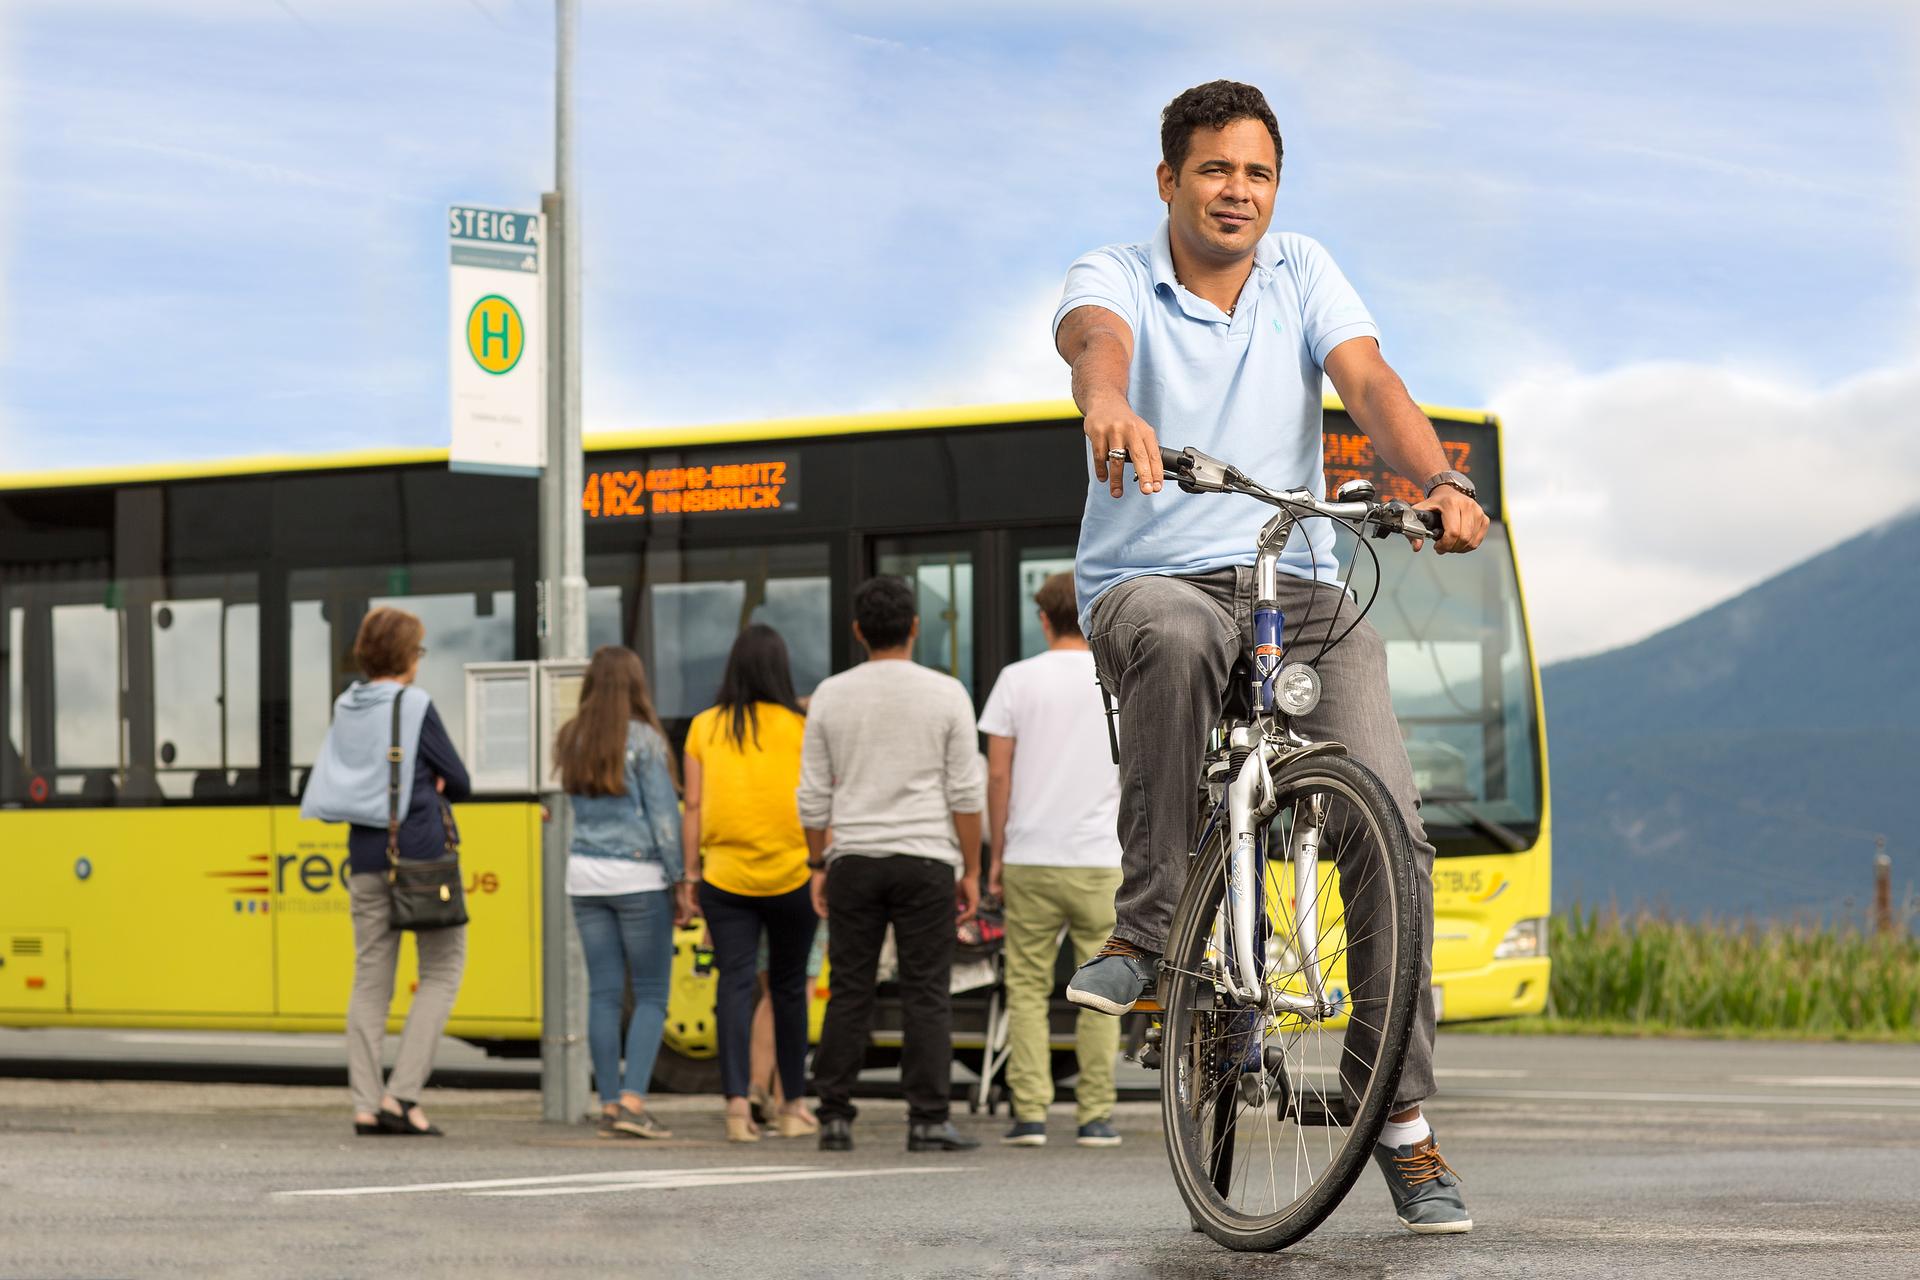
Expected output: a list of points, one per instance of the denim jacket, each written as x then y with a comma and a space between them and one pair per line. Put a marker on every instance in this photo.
643, 824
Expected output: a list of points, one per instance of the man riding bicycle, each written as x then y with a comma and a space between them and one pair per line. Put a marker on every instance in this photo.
1214, 334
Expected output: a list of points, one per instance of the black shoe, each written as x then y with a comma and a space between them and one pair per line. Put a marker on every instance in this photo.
403, 1124
938, 1137
836, 1135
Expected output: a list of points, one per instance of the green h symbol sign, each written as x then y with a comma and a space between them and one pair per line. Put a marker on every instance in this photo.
489, 335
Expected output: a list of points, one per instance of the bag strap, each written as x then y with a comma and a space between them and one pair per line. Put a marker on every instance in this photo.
394, 755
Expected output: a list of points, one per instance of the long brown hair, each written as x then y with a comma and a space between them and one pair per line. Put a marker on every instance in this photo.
592, 747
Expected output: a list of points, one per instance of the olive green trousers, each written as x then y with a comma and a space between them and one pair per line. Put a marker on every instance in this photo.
1039, 902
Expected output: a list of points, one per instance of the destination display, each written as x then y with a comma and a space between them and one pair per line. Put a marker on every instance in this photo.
1469, 447
693, 485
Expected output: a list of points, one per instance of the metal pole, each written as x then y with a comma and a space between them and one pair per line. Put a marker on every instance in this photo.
1882, 887
563, 596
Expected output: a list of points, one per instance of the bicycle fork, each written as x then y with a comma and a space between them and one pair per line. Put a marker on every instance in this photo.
1250, 801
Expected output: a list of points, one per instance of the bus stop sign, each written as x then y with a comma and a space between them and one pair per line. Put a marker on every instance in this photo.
497, 353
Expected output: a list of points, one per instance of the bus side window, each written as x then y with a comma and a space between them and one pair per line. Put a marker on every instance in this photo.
86, 660
206, 688
466, 606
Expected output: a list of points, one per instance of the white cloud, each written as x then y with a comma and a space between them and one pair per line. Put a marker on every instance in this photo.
1645, 494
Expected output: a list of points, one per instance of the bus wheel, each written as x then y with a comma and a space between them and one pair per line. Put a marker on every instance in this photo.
677, 1073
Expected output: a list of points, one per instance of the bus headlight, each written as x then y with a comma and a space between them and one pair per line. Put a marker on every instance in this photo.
1525, 941
1297, 689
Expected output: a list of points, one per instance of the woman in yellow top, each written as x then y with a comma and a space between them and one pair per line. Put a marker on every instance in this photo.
748, 859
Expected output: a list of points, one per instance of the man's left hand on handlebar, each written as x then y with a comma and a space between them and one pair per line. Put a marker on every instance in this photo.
1462, 522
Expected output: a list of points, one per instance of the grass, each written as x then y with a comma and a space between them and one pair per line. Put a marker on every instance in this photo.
1654, 975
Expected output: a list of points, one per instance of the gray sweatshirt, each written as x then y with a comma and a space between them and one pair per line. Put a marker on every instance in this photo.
890, 755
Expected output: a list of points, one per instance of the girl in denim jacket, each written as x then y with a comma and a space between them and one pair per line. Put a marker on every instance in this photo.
623, 876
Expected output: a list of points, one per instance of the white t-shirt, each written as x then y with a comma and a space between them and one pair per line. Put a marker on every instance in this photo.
609, 877
1066, 791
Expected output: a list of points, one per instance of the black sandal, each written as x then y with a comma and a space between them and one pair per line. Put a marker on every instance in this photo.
374, 1130
401, 1125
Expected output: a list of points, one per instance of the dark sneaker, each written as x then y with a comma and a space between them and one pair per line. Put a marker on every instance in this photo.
836, 1135
1115, 979
1426, 1190
622, 1123
1025, 1133
938, 1137
1097, 1133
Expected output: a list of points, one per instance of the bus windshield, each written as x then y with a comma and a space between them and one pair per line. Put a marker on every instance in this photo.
1462, 688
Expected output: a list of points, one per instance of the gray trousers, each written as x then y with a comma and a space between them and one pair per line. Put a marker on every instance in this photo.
376, 955
1165, 648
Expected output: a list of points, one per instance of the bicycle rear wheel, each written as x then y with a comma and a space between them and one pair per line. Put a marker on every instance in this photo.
1270, 1116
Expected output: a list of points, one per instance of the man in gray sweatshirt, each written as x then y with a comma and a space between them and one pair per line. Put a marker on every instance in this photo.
891, 765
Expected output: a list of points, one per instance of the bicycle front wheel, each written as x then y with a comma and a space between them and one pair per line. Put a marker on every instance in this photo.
1270, 1114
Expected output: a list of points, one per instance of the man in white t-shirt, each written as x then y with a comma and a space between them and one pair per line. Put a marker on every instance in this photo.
1053, 799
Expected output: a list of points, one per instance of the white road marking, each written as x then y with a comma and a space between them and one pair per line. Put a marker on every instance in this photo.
1832, 1082
695, 1178
623, 1180
1727, 1099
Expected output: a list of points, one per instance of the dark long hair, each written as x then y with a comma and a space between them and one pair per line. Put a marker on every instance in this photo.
758, 670
592, 747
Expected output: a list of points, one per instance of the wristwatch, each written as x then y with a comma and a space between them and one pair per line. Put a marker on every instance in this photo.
1454, 478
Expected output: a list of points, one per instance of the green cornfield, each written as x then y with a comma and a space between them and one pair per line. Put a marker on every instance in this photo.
1711, 977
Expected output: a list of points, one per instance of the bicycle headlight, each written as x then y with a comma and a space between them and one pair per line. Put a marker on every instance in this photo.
1296, 690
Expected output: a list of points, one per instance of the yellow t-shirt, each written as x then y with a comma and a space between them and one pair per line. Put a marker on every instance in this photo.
750, 837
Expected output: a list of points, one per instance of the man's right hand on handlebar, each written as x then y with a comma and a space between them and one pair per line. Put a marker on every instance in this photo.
1112, 425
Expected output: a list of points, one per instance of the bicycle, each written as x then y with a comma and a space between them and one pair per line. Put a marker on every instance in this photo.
1255, 981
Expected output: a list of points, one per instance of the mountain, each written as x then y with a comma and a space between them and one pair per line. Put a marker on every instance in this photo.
1741, 762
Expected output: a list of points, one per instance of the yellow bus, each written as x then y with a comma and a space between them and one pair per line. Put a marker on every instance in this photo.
173, 637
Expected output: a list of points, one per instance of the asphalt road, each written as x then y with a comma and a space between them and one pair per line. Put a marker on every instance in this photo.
1582, 1158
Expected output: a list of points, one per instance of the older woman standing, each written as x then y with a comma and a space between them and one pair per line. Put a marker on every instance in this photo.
350, 783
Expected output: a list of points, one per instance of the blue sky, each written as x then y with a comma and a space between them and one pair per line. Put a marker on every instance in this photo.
222, 228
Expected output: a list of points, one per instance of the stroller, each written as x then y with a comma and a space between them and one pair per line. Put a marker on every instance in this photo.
979, 963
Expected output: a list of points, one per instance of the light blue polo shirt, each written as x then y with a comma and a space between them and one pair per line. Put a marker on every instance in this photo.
1244, 388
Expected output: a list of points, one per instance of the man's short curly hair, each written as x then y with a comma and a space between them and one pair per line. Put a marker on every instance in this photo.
1215, 105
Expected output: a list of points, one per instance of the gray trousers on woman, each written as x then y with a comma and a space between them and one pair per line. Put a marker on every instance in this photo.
376, 955
1165, 648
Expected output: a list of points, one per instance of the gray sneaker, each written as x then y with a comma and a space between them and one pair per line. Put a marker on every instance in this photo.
1425, 1189
622, 1123
1115, 979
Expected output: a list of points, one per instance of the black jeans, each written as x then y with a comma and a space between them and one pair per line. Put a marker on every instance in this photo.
864, 896
735, 920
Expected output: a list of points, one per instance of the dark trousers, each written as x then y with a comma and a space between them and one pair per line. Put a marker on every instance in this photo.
1166, 647
864, 896
735, 920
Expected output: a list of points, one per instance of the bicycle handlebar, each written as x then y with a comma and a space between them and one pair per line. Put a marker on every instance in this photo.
1195, 472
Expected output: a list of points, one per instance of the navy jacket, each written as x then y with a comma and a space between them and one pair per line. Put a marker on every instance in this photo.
421, 835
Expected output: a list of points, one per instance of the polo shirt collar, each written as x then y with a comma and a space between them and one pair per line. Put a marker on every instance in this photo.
1266, 256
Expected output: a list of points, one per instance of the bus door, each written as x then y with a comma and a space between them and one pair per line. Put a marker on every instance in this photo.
943, 569
975, 594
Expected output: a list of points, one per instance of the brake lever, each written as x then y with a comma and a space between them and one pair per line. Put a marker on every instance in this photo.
1395, 516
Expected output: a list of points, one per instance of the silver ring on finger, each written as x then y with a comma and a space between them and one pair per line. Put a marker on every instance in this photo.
1118, 455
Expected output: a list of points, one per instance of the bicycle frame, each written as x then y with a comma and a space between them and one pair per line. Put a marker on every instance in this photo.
1268, 742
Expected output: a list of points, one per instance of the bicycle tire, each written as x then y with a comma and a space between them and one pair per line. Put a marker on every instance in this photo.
1192, 1091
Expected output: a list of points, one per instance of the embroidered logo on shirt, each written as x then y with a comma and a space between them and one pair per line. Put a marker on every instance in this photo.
1277, 326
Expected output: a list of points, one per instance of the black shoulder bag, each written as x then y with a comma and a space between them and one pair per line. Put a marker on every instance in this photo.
424, 893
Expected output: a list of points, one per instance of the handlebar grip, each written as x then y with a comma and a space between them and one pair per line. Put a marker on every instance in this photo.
1171, 459
1431, 519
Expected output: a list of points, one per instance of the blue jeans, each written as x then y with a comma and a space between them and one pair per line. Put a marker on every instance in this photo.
625, 936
